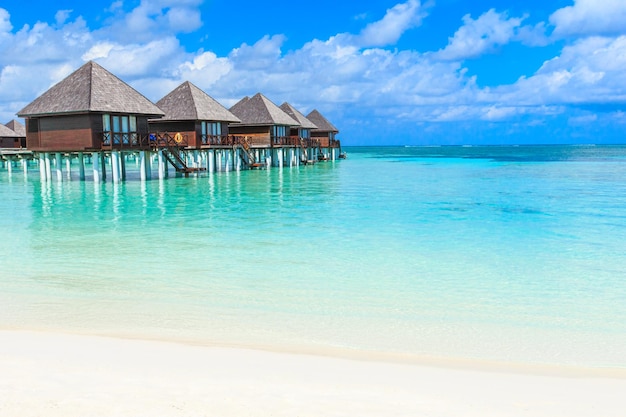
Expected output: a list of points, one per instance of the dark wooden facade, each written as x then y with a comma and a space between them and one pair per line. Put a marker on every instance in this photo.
191, 130
257, 135
323, 138
12, 142
264, 135
10, 138
81, 132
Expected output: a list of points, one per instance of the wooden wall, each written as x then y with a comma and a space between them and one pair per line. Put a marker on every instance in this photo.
257, 135
322, 137
77, 132
10, 143
32, 133
189, 129
59, 133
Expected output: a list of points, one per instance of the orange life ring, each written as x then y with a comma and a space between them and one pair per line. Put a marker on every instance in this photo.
178, 138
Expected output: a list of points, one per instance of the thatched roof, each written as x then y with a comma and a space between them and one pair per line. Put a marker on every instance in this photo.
259, 110
17, 127
321, 122
296, 115
188, 102
90, 88
239, 104
5, 132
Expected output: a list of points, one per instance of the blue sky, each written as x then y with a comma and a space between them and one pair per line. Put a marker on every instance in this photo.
384, 72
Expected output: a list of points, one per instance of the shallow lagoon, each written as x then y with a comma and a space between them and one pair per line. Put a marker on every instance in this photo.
500, 253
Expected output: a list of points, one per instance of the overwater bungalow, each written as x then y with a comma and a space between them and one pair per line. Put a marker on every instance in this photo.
302, 133
91, 109
92, 112
13, 145
264, 125
199, 119
10, 138
262, 122
20, 129
325, 132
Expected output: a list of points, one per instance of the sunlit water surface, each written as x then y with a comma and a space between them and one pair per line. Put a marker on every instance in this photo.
501, 253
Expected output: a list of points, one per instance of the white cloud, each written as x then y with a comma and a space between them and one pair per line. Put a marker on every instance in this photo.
497, 113
533, 35
61, 16
138, 60
479, 36
154, 18
590, 17
592, 70
205, 69
116, 5
261, 55
5, 21
390, 28
583, 120
99, 50
360, 74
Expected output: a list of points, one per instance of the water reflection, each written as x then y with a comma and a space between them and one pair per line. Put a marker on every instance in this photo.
46, 198
116, 202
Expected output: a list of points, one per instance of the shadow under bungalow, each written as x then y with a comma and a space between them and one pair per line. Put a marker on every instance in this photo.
98, 120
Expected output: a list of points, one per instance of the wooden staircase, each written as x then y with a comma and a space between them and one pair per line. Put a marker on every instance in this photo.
172, 147
320, 152
174, 157
305, 156
249, 159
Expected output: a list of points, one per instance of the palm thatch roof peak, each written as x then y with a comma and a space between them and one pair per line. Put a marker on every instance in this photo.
259, 110
17, 127
188, 102
296, 115
321, 122
91, 88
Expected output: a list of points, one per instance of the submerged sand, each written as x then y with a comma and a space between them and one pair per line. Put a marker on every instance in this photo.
50, 374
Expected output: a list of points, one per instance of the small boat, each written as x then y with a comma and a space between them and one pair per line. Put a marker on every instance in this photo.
343, 155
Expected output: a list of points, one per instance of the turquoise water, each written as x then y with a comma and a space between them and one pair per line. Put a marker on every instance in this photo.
502, 253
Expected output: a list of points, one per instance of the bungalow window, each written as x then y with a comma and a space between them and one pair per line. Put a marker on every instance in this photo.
278, 133
119, 130
106, 129
211, 132
125, 136
305, 133
134, 140
116, 130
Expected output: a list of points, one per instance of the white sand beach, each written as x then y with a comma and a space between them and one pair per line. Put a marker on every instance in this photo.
50, 374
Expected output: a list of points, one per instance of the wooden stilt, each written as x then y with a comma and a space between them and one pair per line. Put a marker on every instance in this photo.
81, 166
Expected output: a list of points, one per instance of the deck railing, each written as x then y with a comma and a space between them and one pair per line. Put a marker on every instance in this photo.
112, 140
281, 141
122, 140
216, 140
168, 140
151, 140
